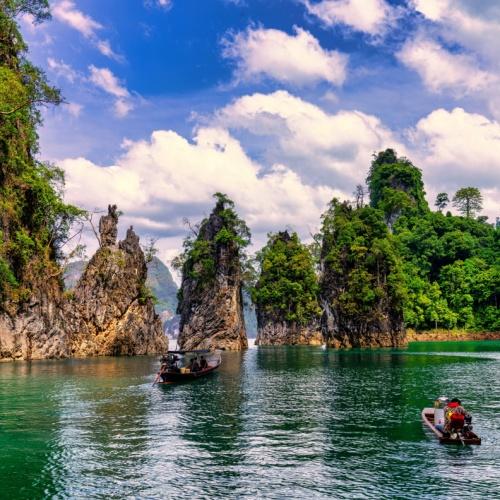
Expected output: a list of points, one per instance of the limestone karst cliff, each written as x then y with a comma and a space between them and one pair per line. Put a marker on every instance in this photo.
361, 285
271, 332
285, 294
210, 297
109, 312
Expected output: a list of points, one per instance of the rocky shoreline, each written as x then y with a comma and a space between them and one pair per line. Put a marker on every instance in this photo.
446, 335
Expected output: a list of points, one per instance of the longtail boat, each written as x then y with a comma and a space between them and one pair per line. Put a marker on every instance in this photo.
177, 366
463, 437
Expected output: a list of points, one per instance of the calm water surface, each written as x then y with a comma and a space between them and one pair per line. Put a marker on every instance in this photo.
273, 422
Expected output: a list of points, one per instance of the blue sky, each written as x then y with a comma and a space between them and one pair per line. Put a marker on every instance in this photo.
280, 103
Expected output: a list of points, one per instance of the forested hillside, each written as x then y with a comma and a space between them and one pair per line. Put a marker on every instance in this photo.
451, 264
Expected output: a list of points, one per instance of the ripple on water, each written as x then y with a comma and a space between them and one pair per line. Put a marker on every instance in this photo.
274, 423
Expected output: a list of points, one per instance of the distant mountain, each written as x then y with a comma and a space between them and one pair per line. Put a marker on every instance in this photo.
159, 280
72, 273
164, 288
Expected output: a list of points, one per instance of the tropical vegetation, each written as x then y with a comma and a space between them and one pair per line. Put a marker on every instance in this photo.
34, 220
287, 287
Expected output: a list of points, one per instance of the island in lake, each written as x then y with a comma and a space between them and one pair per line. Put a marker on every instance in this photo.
382, 263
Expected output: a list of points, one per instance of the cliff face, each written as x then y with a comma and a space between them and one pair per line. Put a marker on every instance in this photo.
111, 312
361, 286
36, 330
383, 329
211, 303
108, 313
285, 333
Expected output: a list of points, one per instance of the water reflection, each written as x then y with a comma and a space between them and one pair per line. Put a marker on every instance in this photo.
272, 422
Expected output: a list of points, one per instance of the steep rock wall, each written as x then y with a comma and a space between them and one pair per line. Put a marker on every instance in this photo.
211, 309
108, 313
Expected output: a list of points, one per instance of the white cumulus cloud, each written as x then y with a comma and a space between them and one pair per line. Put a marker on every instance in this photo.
459, 147
66, 12
368, 16
73, 108
61, 69
159, 181
104, 79
473, 25
327, 148
442, 70
295, 59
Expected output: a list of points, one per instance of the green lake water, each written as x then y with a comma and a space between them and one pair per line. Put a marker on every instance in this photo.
273, 422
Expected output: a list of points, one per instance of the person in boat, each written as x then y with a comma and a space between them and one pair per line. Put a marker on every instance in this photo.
163, 370
455, 415
173, 363
194, 366
203, 363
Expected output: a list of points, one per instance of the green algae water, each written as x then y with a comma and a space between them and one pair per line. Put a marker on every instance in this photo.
273, 422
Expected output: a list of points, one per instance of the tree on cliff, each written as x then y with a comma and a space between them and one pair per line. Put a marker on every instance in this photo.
34, 220
362, 286
442, 201
395, 186
468, 201
210, 296
287, 287
200, 248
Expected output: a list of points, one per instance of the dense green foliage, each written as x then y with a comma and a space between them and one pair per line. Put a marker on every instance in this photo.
362, 269
34, 220
451, 264
443, 269
222, 230
452, 270
287, 288
395, 186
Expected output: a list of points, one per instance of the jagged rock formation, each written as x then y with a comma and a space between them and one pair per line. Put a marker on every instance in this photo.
361, 286
211, 302
111, 311
286, 293
108, 313
159, 281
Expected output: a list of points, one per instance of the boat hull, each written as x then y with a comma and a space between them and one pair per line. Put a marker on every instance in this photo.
428, 419
170, 377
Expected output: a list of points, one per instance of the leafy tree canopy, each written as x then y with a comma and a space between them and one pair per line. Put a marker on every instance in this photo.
222, 230
287, 287
34, 220
362, 269
468, 201
395, 186
442, 201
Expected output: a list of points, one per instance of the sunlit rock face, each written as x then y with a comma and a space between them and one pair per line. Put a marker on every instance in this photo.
108, 313
211, 314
